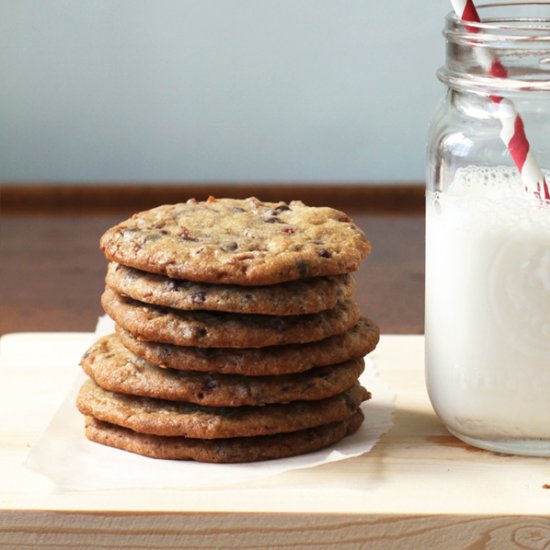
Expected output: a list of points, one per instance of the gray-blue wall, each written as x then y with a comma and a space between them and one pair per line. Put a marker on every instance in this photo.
203, 90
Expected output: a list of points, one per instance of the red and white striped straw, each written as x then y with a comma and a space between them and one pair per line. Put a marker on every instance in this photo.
513, 131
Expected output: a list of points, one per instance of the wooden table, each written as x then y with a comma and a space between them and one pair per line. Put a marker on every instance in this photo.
418, 488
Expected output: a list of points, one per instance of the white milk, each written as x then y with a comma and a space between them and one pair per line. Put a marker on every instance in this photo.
488, 309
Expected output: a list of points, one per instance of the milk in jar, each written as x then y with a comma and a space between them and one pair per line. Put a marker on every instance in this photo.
488, 308
487, 319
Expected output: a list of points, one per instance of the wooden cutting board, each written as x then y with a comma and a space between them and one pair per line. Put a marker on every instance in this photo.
418, 488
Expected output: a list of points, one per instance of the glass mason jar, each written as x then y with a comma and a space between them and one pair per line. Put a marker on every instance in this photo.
488, 237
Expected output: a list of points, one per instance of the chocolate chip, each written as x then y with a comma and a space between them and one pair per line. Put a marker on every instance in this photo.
150, 237
303, 268
198, 297
170, 285
350, 403
230, 246
282, 208
277, 324
230, 453
324, 253
208, 353
270, 216
200, 332
209, 384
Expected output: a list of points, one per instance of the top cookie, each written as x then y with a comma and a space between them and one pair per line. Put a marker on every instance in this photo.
242, 242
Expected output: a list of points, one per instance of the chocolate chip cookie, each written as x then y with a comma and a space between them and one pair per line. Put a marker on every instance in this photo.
275, 360
242, 242
226, 330
173, 418
116, 369
293, 298
232, 450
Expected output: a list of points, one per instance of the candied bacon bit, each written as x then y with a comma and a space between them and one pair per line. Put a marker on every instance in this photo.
289, 230
244, 256
211, 199
255, 202
185, 234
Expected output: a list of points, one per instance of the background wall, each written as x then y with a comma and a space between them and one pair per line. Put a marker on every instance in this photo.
217, 90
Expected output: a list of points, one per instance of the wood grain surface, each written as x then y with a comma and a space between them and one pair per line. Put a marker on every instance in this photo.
52, 272
260, 532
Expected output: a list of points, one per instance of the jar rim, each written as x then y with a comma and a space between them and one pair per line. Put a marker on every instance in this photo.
516, 32
495, 26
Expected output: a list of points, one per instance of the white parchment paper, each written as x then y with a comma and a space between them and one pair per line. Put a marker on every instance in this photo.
71, 462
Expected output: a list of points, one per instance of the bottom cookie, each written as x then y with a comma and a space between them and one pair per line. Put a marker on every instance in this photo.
234, 450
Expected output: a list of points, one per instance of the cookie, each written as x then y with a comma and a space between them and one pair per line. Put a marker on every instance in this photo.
293, 298
241, 242
116, 369
233, 450
171, 418
275, 360
226, 330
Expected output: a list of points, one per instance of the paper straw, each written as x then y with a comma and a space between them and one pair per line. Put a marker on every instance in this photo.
513, 131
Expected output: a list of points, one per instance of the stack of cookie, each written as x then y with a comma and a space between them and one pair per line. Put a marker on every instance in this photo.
237, 338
